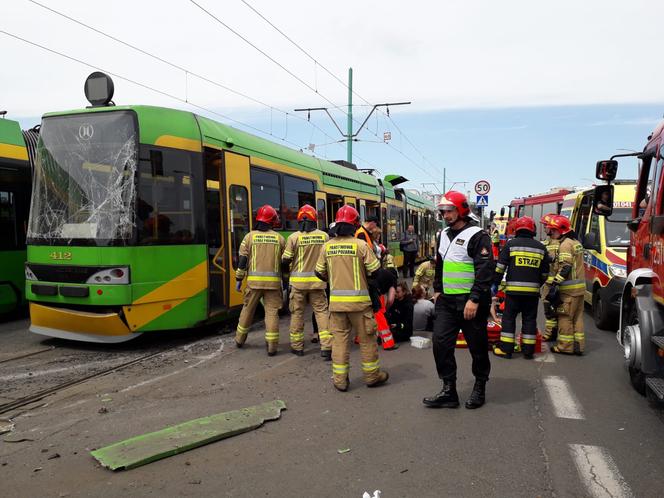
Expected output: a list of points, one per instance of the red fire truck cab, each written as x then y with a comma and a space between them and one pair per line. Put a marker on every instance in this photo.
535, 206
641, 330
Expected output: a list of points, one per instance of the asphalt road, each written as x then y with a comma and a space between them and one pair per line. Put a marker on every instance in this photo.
557, 426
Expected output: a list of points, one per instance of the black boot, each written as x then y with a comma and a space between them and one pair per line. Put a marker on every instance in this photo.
476, 398
446, 398
326, 354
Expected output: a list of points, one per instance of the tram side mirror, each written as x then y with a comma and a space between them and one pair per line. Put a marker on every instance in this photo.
606, 170
502, 211
603, 200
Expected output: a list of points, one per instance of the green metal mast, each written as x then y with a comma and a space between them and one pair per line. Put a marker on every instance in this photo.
349, 147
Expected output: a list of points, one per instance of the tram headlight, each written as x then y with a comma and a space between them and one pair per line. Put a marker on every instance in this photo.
618, 271
29, 275
110, 276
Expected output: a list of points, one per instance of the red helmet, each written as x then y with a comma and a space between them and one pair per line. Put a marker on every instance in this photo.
561, 223
307, 212
267, 214
525, 223
454, 199
547, 219
348, 214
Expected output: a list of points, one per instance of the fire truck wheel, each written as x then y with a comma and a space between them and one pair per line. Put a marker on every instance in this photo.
601, 314
638, 380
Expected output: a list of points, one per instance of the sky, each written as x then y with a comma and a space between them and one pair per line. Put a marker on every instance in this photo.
526, 95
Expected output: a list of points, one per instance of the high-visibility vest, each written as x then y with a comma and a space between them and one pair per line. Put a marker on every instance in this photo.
458, 267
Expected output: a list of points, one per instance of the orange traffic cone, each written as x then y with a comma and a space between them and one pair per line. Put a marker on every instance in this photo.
461, 341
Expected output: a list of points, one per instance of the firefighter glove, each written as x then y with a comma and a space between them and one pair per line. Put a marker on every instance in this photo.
238, 285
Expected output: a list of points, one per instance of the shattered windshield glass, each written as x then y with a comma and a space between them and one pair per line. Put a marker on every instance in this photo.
84, 184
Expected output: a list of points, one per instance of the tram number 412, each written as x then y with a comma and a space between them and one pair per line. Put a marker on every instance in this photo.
60, 255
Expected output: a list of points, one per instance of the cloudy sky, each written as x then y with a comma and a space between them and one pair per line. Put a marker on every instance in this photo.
525, 94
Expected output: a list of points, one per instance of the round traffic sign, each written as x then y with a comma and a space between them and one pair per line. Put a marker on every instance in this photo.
482, 187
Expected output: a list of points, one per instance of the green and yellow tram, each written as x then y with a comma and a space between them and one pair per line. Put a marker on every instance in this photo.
138, 213
14, 205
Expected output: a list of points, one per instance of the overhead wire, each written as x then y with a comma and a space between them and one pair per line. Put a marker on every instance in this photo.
318, 63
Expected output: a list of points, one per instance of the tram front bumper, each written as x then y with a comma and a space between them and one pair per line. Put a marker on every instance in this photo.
78, 325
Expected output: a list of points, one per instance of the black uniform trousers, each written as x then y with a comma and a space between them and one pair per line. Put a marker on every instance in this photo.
409, 258
527, 306
449, 320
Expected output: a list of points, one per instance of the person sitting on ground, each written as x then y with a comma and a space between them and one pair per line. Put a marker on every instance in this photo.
423, 310
400, 315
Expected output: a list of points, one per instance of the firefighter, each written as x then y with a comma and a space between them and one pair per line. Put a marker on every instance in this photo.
462, 283
567, 289
425, 273
260, 262
527, 265
299, 259
347, 262
552, 245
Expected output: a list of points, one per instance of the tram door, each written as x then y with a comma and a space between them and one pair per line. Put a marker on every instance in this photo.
237, 215
214, 202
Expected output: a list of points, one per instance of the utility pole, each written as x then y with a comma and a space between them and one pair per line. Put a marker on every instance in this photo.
349, 127
349, 136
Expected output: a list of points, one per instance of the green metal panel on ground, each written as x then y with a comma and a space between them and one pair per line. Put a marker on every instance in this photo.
170, 441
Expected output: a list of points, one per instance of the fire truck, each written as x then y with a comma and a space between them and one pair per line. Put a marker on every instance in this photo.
535, 206
641, 327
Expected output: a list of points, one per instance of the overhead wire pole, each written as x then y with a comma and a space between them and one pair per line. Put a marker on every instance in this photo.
349, 127
349, 136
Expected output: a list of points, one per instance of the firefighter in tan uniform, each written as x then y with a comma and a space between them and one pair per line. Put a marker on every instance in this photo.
260, 262
302, 251
552, 245
569, 284
346, 263
424, 274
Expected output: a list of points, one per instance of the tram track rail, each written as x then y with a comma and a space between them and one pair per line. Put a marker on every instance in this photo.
39, 395
26, 355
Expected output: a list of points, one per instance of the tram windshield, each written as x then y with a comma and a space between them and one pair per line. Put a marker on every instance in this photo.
84, 186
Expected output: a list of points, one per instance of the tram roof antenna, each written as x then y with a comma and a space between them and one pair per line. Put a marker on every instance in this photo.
2, 113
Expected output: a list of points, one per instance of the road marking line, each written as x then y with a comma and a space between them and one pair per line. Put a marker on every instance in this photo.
201, 360
565, 404
599, 472
38, 373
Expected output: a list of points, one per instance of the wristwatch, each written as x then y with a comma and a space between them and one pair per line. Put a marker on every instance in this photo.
475, 299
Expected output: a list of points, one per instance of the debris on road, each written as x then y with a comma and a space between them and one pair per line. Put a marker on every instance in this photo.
170, 441
344, 450
6, 425
420, 342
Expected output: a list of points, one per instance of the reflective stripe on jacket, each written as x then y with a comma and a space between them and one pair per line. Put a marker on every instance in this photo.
303, 250
346, 261
458, 267
526, 263
570, 255
263, 252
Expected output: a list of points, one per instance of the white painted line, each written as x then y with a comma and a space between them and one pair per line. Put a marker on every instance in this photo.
565, 404
201, 360
38, 373
599, 472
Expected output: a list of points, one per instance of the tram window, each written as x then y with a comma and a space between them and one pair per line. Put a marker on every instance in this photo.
363, 213
165, 207
239, 204
322, 214
8, 228
265, 189
395, 223
297, 193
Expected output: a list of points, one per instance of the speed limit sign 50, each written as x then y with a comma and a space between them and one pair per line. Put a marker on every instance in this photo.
482, 187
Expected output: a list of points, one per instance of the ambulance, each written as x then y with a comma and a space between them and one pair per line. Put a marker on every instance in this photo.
605, 246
